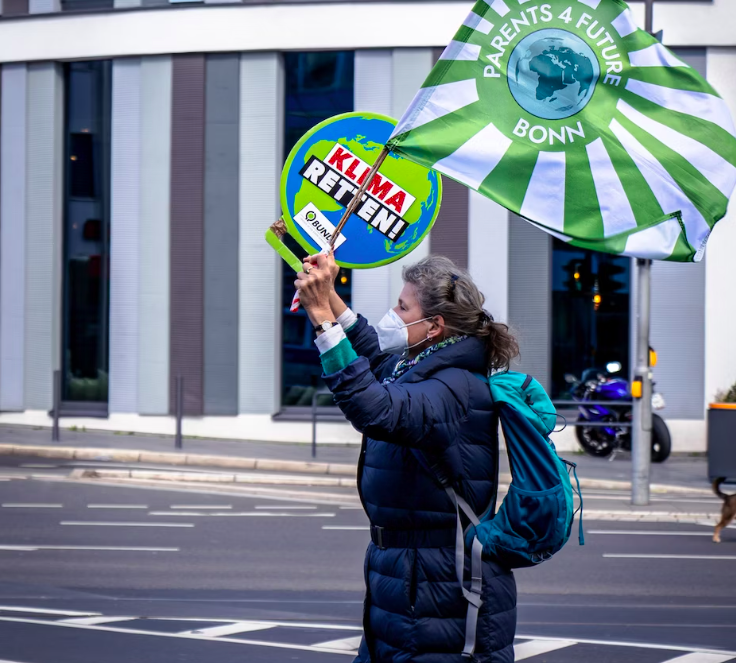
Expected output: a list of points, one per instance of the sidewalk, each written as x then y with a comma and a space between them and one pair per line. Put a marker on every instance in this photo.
682, 472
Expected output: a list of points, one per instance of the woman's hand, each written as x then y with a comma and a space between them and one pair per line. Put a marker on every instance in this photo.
332, 266
315, 284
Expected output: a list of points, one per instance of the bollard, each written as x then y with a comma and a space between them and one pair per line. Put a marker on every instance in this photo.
57, 406
179, 387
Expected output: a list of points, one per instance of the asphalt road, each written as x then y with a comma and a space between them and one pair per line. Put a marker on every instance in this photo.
92, 573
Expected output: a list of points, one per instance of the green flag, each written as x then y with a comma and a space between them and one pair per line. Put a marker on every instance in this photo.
569, 115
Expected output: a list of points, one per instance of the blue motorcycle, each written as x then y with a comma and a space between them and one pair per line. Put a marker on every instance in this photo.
606, 441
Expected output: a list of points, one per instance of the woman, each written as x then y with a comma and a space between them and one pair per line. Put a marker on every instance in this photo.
426, 407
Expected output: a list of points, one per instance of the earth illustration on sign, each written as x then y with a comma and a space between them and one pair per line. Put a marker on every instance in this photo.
552, 74
323, 172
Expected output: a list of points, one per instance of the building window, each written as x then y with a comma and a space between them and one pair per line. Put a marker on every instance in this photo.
86, 5
590, 313
86, 231
318, 85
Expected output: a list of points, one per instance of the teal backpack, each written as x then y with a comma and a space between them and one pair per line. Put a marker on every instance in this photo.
536, 517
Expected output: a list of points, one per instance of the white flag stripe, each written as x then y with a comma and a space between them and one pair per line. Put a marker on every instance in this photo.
437, 101
544, 201
473, 161
624, 23
499, 6
538, 647
669, 195
712, 166
698, 104
615, 207
655, 55
472, 20
591, 3
459, 50
702, 657
655, 243
560, 236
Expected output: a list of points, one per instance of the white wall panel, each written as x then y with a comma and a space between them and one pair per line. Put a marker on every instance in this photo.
12, 234
261, 139
720, 302
43, 6
373, 93
154, 254
410, 69
42, 347
299, 26
125, 194
488, 253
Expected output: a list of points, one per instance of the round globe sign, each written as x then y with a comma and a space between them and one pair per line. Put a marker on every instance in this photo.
553, 73
324, 171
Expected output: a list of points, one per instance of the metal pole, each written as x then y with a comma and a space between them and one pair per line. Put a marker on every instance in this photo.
314, 423
641, 432
57, 406
179, 410
641, 448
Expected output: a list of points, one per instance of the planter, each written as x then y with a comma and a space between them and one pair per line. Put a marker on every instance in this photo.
722, 440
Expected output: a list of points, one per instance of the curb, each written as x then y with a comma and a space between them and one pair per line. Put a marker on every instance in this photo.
209, 477
264, 464
164, 458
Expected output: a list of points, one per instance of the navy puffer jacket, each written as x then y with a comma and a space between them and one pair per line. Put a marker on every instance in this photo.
414, 609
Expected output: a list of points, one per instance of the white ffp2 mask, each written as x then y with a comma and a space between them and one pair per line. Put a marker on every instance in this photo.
393, 335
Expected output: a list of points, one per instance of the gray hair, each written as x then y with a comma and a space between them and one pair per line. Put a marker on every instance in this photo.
445, 289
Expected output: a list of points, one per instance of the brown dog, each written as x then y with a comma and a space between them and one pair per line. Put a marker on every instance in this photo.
729, 509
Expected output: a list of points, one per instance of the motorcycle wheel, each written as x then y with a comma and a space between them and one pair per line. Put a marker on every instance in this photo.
593, 440
661, 440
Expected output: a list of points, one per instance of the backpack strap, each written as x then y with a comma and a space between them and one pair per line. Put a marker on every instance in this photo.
473, 595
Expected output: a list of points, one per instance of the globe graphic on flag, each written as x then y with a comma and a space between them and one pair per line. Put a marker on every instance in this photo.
552, 74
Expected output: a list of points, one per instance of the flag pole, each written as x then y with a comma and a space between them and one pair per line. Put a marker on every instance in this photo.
353, 204
641, 432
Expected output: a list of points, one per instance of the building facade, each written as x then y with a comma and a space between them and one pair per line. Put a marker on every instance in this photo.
141, 145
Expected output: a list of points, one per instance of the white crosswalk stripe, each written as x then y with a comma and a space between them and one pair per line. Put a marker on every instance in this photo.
230, 629
348, 644
538, 647
701, 658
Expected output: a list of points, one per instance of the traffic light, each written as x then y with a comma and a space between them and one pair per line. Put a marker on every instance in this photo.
607, 283
575, 275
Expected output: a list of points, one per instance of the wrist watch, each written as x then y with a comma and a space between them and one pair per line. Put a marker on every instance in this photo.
324, 326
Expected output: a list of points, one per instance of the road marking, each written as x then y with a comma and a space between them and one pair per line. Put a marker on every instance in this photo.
28, 505
636, 645
153, 634
229, 629
634, 556
199, 507
351, 508
537, 647
35, 548
44, 611
348, 644
117, 506
312, 625
40, 466
647, 533
701, 658
82, 523
362, 528
97, 620
283, 508
242, 514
